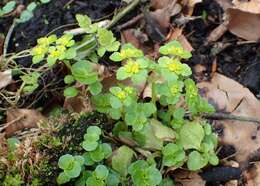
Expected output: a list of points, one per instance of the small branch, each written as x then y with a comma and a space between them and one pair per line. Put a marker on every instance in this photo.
223, 116
130, 22
7, 38
121, 14
105, 23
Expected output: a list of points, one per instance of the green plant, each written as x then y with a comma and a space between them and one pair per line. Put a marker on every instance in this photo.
71, 166
9, 7
168, 130
79, 57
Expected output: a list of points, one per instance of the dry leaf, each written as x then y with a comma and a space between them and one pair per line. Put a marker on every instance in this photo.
176, 34
78, 104
189, 6
244, 24
188, 178
225, 4
218, 32
19, 119
229, 96
252, 175
252, 6
164, 11
5, 78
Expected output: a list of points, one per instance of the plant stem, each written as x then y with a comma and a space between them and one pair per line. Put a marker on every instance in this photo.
7, 38
154, 98
121, 14
223, 116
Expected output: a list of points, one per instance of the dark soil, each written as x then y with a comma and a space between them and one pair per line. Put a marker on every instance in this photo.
239, 62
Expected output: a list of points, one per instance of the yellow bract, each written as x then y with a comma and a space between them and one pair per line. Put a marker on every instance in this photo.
175, 89
129, 90
121, 95
127, 53
175, 67
39, 50
176, 51
132, 67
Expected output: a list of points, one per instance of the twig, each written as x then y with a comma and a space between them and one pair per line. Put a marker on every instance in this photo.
130, 22
121, 14
110, 24
7, 38
223, 116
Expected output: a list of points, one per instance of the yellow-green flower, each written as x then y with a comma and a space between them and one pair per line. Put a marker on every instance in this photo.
46, 41
121, 95
66, 40
172, 67
174, 48
132, 67
39, 50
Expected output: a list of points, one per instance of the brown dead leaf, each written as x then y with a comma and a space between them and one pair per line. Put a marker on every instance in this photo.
252, 175
164, 10
189, 6
218, 32
225, 4
229, 96
176, 34
78, 104
188, 178
5, 78
252, 6
19, 119
244, 24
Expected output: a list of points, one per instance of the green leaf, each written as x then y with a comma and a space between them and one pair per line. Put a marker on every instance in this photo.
37, 59
173, 155
115, 113
74, 171
213, 160
166, 182
113, 179
69, 79
107, 150
179, 113
89, 145
83, 72
113, 47
70, 92
122, 159
83, 20
71, 53
80, 159
95, 88
51, 61
65, 161
101, 51
63, 178
105, 37
191, 135
196, 161
93, 181
98, 154
101, 172
31, 6
45, 1
116, 56
94, 130
12, 143
8, 7
115, 102
121, 74
87, 159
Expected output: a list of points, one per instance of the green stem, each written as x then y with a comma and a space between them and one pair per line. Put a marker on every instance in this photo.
154, 97
121, 14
